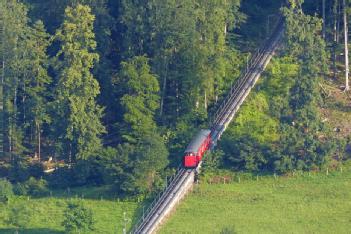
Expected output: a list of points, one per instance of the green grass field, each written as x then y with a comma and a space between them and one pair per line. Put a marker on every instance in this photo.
314, 203
47, 213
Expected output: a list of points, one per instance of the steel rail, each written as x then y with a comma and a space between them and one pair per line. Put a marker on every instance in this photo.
154, 205
161, 212
255, 60
252, 63
240, 91
162, 199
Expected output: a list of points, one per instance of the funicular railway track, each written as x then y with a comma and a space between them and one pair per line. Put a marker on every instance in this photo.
184, 178
241, 89
173, 194
162, 204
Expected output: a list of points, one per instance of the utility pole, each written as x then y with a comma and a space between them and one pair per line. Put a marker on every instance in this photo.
346, 47
125, 222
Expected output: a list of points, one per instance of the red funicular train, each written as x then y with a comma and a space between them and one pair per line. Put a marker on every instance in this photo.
196, 149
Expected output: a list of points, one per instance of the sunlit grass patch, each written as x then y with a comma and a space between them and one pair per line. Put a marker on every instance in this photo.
308, 203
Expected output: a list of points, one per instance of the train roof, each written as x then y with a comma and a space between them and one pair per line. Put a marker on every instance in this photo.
197, 141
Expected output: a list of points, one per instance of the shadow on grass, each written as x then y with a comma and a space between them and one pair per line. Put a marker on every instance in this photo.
30, 231
87, 192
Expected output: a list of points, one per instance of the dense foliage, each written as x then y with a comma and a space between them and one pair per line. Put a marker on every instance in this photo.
78, 218
110, 92
280, 129
6, 190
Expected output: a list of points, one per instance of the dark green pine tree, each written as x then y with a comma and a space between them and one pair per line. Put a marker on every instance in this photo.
35, 107
103, 27
13, 26
135, 17
148, 157
77, 120
174, 56
189, 52
141, 98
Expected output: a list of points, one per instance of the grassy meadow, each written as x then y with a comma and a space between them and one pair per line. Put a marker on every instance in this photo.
47, 213
304, 203
300, 203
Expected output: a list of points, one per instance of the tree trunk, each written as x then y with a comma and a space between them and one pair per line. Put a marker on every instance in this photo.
346, 47
39, 141
205, 100
70, 155
177, 99
13, 124
164, 85
335, 37
323, 13
9, 138
338, 24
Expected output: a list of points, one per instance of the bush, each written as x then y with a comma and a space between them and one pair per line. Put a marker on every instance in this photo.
61, 178
36, 170
36, 187
78, 218
19, 171
4, 169
87, 172
20, 189
212, 160
6, 190
84, 172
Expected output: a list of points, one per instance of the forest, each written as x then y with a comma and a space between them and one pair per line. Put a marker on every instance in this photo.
101, 92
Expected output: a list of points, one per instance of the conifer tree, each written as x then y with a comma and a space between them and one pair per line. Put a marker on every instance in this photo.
141, 98
187, 49
36, 84
13, 17
78, 124
148, 156
136, 18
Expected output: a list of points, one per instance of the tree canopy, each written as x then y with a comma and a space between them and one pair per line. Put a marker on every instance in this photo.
111, 92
